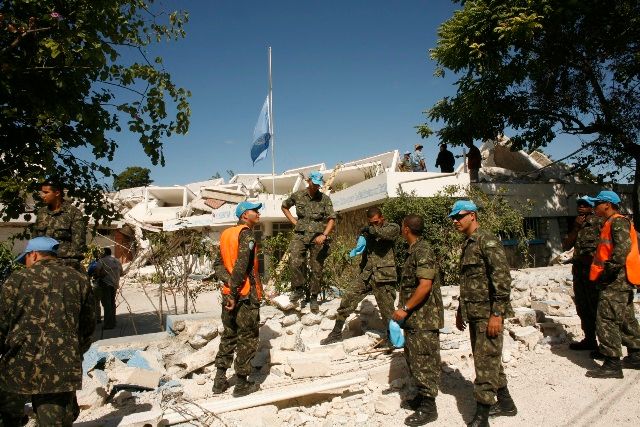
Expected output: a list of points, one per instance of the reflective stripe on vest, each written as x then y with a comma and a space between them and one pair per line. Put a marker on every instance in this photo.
604, 251
229, 243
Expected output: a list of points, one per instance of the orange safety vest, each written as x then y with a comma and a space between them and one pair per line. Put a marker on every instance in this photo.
605, 250
229, 242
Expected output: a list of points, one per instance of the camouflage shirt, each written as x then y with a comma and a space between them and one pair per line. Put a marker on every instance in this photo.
67, 225
313, 213
379, 257
614, 275
485, 277
421, 264
587, 238
243, 266
47, 317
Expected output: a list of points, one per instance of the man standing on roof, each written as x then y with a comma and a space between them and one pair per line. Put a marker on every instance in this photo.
404, 165
47, 318
377, 273
62, 221
616, 323
583, 237
315, 221
485, 292
445, 159
417, 160
237, 266
474, 160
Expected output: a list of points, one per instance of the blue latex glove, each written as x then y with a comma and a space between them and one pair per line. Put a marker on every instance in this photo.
361, 245
396, 334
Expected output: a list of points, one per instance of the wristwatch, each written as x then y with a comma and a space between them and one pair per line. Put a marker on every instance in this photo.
496, 313
405, 308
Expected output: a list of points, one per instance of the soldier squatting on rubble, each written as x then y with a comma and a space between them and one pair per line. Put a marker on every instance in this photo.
316, 219
377, 273
47, 317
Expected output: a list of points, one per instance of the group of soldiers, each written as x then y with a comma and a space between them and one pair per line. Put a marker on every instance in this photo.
48, 313
485, 292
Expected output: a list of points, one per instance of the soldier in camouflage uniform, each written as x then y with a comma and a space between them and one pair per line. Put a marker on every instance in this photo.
62, 221
583, 237
616, 323
315, 221
377, 273
240, 313
46, 321
422, 316
485, 291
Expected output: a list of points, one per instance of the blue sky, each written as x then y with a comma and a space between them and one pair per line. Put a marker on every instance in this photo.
351, 78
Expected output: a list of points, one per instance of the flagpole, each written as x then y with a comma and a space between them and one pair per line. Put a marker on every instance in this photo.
273, 159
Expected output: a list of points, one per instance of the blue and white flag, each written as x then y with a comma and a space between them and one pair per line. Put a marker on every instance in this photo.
261, 134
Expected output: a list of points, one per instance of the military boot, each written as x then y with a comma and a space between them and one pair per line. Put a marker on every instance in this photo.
424, 414
611, 368
481, 417
585, 344
504, 406
335, 335
314, 306
595, 354
220, 383
244, 386
296, 296
631, 360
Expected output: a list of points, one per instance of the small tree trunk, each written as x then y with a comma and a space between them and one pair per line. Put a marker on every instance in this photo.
635, 198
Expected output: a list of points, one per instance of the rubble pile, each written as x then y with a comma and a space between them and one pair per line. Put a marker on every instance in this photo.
146, 379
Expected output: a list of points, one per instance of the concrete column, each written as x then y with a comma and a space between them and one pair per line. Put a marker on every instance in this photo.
267, 231
554, 242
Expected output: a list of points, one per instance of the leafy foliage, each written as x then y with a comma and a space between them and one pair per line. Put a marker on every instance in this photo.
543, 68
133, 176
494, 214
73, 75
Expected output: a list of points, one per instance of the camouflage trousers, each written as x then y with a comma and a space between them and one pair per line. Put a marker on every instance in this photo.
586, 299
51, 409
487, 359
240, 336
384, 292
422, 353
616, 323
299, 247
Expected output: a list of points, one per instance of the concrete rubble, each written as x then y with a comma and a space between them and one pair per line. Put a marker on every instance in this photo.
148, 380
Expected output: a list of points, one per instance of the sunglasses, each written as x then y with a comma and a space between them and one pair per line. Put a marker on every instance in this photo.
458, 217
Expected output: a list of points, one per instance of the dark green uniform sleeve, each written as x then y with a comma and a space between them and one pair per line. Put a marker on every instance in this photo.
621, 247
498, 273
387, 231
8, 300
425, 267
242, 265
221, 272
290, 201
78, 244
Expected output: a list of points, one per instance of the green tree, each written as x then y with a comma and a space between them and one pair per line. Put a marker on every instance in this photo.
73, 75
133, 176
544, 68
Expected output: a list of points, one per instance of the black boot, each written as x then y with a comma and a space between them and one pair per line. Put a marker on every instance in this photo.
585, 344
220, 383
481, 417
595, 354
335, 335
504, 406
631, 360
244, 386
611, 368
412, 404
314, 306
424, 414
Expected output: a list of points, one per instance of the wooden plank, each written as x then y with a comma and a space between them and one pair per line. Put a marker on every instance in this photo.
260, 398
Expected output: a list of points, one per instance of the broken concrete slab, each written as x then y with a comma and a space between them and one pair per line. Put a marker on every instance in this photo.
201, 358
185, 322
311, 319
149, 360
528, 335
358, 343
289, 320
136, 378
389, 372
283, 302
318, 365
525, 316
387, 404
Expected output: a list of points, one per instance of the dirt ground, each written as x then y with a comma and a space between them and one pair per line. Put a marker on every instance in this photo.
548, 383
